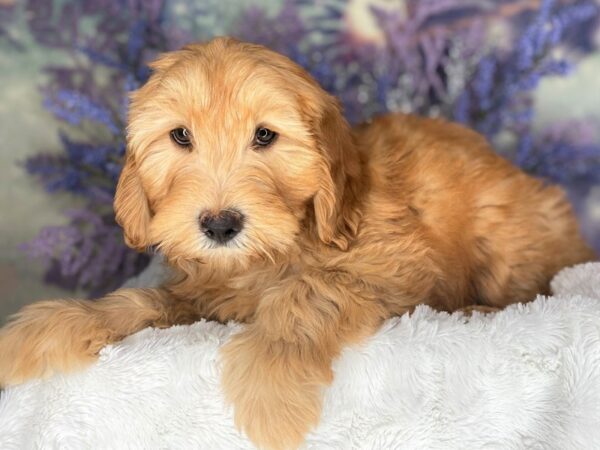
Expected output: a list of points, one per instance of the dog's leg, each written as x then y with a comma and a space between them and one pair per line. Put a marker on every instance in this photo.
64, 335
275, 370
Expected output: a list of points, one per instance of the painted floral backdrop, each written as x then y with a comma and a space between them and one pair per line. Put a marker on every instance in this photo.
475, 62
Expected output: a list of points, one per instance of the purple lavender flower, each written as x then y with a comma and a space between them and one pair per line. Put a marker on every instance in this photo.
74, 107
498, 95
88, 253
566, 153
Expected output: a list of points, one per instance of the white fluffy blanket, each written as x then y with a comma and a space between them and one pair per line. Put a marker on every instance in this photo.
527, 377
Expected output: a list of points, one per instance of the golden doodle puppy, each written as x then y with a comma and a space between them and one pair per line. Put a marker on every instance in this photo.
272, 211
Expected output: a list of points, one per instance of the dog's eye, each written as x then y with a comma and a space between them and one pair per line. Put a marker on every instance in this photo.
264, 137
181, 136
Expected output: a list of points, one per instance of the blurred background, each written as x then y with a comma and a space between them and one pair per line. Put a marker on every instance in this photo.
523, 72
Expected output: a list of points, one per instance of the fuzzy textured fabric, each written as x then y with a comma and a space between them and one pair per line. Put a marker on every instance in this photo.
526, 377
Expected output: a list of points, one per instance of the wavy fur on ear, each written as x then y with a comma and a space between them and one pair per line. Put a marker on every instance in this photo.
336, 203
132, 210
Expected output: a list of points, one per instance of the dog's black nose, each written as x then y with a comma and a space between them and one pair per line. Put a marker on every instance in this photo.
223, 226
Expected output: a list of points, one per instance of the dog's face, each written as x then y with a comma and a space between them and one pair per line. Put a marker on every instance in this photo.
232, 150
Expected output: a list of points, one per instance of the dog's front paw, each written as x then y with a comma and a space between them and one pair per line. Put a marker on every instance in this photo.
48, 337
275, 393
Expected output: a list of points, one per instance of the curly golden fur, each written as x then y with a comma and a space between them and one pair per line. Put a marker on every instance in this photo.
343, 229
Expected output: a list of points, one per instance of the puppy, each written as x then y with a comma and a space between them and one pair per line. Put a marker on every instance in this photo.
244, 174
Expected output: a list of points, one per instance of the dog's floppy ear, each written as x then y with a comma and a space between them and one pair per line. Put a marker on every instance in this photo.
131, 206
132, 210
336, 203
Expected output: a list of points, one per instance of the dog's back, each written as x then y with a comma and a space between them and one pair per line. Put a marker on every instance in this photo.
492, 234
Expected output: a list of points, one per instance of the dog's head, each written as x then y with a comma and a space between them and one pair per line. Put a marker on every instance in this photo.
233, 151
